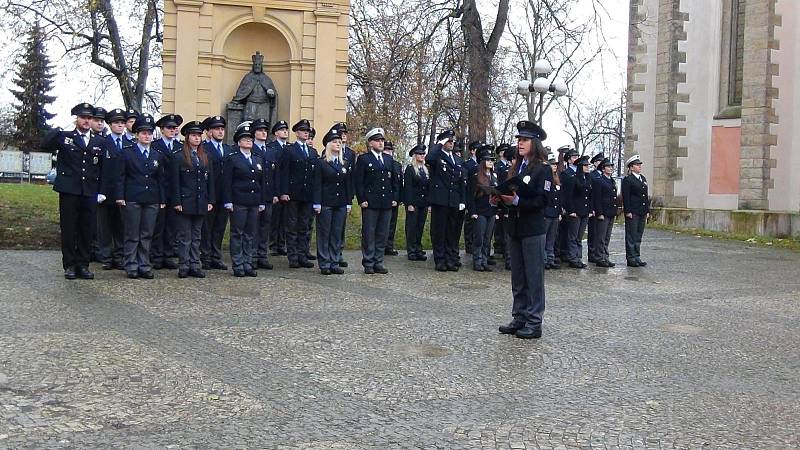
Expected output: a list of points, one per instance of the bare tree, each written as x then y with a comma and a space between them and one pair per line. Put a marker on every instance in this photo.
92, 29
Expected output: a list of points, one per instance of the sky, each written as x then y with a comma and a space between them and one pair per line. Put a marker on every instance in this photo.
72, 85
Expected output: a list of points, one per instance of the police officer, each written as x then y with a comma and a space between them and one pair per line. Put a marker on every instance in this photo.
217, 219
637, 210
566, 175
480, 209
526, 232
191, 196
377, 190
270, 155
141, 191
78, 183
397, 168
471, 166
501, 169
332, 191
165, 234
553, 213
595, 174
446, 196
415, 197
130, 119
296, 170
604, 196
277, 242
109, 217
578, 205
350, 158
244, 194
98, 121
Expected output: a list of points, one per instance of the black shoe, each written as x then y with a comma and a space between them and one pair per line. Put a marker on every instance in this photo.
478, 268
311, 257
529, 332
342, 263
511, 328
183, 273
422, 258
441, 268
380, 269
169, 264
158, 266
601, 264
108, 266
149, 275
294, 265
592, 260
577, 265
548, 266
250, 273
238, 273
283, 252
610, 264
487, 269
325, 271
219, 265
197, 273
336, 271
555, 266
369, 270
264, 265
118, 266
632, 263
274, 253
452, 268
69, 273
459, 264
132, 275
641, 263
490, 262
391, 252
84, 274
307, 264
206, 266
508, 266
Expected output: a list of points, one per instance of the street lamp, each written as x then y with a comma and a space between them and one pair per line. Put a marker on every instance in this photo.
541, 85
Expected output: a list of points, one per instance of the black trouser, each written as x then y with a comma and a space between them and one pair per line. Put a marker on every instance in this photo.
460, 226
190, 229
140, 221
482, 230
445, 232
277, 239
591, 237
563, 239
213, 233
469, 225
392, 229
551, 236
110, 238
374, 230
500, 234
298, 230
602, 237
576, 228
527, 279
244, 226
164, 236
634, 229
330, 223
77, 218
415, 226
264, 233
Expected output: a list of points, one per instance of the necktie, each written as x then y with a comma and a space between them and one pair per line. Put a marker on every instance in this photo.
522, 167
421, 173
145, 153
336, 163
119, 144
170, 146
305, 149
85, 139
380, 160
194, 158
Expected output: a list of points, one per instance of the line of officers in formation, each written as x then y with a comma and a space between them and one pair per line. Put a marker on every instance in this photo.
151, 200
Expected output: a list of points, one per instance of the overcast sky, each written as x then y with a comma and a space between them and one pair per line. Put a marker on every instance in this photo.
605, 78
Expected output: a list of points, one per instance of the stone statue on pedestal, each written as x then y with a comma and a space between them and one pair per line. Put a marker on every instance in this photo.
256, 97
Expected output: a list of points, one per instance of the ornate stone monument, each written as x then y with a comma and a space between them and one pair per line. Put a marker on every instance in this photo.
256, 97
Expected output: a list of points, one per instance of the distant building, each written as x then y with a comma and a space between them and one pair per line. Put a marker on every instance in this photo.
714, 110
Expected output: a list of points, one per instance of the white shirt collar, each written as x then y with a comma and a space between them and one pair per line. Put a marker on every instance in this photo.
637, 175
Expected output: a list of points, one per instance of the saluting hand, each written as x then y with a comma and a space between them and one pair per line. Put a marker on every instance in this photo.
601, 217
394, 203
162, 206
210, 206
630, 215
574, 215
178, 208
120, 202
275, 200
410, 208
364, 204
284, 198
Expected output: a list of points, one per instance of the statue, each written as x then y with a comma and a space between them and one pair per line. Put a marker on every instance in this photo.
257, 93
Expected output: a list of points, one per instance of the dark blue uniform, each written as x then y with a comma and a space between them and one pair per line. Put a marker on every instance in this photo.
446, 193
142, 185
376, 183
295, 174
590, 229
397, 168
216, 220
500, 233
244, 186
483, 227
636, 202
552, 212
277, 241
332, 191
562, 248
79, 165
191, 188
604, 198
471, 166
578, 201
110, 238
165, 235
415, 193
264, 234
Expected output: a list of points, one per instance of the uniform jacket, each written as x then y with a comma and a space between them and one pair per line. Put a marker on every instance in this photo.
333, 184
634, 195
578, 195
604, 196
448, 178
376, 182
397, 168
471, 166
554, 203
217, 163
527, 217
415, 188
78, 166
296, 172
477, 200
112, 167
192, 185
142, 180
245, 183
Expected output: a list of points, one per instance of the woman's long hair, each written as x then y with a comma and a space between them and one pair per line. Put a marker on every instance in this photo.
417, 165
556, 177
536, 157
201, 154
328, 155
482, 179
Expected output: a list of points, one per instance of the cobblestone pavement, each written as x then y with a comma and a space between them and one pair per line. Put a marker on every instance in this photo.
699, 349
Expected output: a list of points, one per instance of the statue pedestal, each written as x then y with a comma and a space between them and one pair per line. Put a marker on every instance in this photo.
233, 117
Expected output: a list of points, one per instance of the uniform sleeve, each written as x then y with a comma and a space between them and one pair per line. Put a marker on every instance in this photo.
408, 185
470, 200
283, 172
175, 183
358, 180
163, 178
316, 185
119, 183
266, 190
597, 196
532, 197
227, 186
397, 182
349, 183
626, 194
212, 182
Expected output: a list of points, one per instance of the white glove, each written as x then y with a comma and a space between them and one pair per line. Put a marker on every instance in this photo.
101, 198
461, 206
261, 207
228, 205
349, 207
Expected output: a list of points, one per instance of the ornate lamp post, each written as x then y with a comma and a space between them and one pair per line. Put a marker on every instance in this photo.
541, 85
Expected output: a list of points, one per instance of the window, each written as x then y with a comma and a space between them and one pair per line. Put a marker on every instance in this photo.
732, 59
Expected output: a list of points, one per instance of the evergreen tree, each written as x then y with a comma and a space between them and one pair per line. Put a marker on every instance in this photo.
34, 78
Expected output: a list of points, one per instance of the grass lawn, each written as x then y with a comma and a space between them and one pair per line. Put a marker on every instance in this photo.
29, 220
